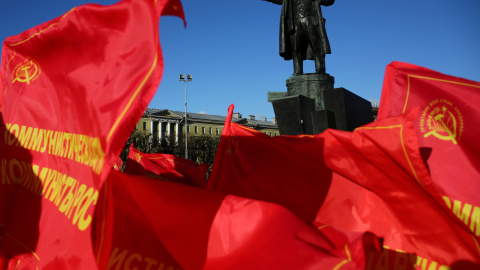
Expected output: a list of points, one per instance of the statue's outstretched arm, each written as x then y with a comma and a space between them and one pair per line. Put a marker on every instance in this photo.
278, 2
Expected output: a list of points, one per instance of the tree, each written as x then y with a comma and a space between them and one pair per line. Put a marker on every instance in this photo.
203, 148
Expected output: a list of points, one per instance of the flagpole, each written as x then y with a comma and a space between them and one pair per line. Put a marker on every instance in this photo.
188, 79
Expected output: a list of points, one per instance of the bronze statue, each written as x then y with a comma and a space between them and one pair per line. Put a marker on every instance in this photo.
302, 33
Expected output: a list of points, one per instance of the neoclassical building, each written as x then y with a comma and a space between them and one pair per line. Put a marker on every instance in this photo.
162, 123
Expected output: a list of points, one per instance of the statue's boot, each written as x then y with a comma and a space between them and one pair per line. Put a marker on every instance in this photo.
297, 65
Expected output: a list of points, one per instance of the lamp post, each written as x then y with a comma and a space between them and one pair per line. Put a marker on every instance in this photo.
188, 79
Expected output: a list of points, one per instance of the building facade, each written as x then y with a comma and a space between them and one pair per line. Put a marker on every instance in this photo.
163, 123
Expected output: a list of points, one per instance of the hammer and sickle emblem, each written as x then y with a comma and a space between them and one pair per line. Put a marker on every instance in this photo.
451, 134
26, 71
138, 157
232, 145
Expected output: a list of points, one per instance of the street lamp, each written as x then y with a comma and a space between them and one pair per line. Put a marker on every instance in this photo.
188, 79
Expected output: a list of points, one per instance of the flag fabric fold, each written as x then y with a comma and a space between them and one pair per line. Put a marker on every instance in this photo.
251, 234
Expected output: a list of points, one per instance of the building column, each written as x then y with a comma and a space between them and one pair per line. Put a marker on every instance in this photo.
169, 127
177, 127
151, 127
160, 130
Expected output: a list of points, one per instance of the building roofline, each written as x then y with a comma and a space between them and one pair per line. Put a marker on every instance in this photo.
210, 118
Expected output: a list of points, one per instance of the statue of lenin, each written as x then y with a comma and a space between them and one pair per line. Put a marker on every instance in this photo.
302, 33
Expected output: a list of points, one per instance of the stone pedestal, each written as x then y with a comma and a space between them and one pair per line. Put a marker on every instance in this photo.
311, 105
351, 111
292, 114
311, 86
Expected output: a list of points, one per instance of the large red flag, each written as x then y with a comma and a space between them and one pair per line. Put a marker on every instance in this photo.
377, 186
166, 167
447, 127
72, 90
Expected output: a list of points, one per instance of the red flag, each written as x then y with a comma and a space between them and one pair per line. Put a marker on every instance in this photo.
377, 187
447, 130
254, 165
117, 165
72, 90
231, 232
166, 167
174, 8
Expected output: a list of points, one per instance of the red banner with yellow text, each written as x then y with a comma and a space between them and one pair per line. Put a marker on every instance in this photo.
447, 131
72, 90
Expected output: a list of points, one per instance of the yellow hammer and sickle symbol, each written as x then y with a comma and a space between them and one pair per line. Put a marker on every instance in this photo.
29, 72
232, 145
451, 135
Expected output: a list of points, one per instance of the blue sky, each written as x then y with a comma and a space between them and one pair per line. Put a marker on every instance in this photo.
231, 47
